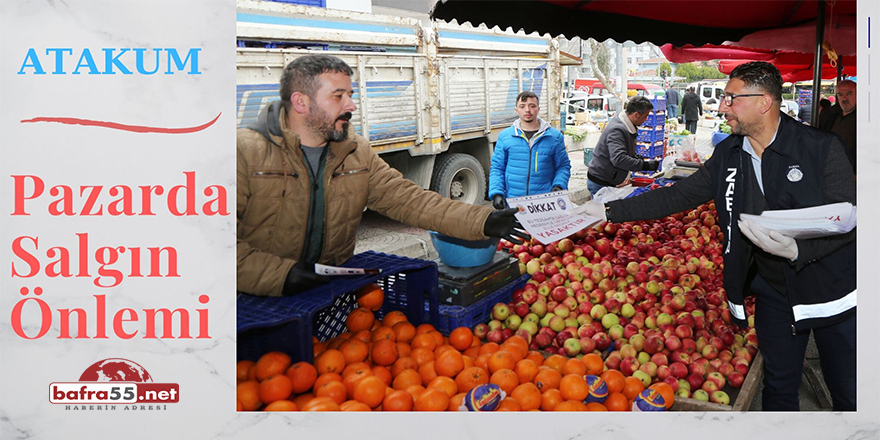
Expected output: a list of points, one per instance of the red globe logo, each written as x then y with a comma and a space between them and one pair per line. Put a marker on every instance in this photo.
115, 370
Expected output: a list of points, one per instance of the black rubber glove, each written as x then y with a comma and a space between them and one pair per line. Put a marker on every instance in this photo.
504, 224
556, 188
651, 165
302, 277
499, 202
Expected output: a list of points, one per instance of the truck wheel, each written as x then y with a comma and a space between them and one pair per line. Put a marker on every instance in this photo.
459, 177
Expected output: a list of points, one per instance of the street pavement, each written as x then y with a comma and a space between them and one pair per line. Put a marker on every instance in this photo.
381, 234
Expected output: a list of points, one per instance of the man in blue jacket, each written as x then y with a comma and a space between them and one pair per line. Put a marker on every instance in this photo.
772, 162
529, 156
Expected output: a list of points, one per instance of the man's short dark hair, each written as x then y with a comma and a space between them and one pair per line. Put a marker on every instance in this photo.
302, 73
523, 96
824, 103
639, 104
762, 75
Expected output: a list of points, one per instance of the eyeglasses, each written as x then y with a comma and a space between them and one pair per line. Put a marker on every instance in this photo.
728, 99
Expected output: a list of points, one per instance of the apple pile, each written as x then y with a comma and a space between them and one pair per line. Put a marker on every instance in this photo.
647, 295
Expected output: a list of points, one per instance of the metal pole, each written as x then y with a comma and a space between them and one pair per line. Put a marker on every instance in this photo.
817, 63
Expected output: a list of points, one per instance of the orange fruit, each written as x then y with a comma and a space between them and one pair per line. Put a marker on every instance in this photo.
574, 366
509, 404
270, 364
449, 364
456, 401
277, 387
501, 359
405, 379
248, 393
441, 349
355, 367
359, 319
596, 406
335, 343
241, 370
615, 381
393, 317
415, 391
432, 399
424, 340
424, 328
353, 405
482, 361
281, 405
334, 390
384, 352
471, 377
302, 399
422, 355
318, 348
506, 379
403, 363
489, 348
472, 351
383, 333
321, 404
556, 362
574, 387
632, 386
461, 338
444, 383
383, 373
536, 357
398, 400
547, 379
595, 364
526, 370
427, 372
370, 391
617, 402
550, 400
439, 340
324, 378
404, 332
665, 390
302, 376
351, 379
354, 350
571, 405
330, 361
363, 335
403, 349
371, 297
517, 341
528, 396
517, 352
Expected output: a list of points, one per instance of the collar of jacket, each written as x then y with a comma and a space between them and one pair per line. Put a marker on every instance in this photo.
544, 125
627, 123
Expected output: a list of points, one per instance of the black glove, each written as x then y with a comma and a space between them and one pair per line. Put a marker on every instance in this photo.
504, 224
302, 277
499, 202
556, 188
651, 165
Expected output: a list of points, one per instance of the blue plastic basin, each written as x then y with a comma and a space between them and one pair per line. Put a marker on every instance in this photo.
456, 252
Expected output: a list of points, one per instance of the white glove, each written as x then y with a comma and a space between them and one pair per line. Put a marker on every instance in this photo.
771, 241
593, 209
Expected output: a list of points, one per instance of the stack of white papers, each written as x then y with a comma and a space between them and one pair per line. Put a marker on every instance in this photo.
818, 221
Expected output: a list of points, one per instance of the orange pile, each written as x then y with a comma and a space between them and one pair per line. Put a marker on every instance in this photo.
392, 365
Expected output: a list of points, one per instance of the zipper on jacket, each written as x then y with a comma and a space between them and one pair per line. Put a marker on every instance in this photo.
345, 173
275, 174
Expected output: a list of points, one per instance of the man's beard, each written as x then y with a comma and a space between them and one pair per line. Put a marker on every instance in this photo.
744, 129
318, 122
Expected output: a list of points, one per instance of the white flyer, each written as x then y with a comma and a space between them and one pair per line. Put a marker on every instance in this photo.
550, 217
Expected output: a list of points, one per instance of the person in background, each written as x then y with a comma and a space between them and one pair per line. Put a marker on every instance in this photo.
841, 118
304, 179
824, 104
529, 156
805, 111
692, 108
802, 286
615, 154
672, 100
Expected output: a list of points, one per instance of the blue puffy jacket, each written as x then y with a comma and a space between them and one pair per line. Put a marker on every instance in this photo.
520, 167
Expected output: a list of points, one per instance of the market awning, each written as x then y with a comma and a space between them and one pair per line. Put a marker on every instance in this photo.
678, 22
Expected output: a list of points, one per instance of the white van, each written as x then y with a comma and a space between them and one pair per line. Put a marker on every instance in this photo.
710, 94
599, 107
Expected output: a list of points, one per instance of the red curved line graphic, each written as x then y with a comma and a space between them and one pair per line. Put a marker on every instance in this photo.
124, 127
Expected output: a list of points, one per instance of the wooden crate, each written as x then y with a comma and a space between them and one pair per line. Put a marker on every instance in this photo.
741, 399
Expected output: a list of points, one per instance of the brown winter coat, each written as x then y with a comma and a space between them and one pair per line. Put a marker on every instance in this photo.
273, 199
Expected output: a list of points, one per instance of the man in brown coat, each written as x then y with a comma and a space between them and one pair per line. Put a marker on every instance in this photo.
303, 181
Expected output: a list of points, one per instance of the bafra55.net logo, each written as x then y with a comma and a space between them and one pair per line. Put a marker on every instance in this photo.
113, 382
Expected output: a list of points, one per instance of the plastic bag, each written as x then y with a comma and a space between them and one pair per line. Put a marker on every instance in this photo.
609, 193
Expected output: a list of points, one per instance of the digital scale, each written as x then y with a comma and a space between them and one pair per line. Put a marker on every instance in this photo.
462, 286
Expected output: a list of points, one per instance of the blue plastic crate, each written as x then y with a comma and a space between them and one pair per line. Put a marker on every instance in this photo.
644, 189
655, 119
659, 102
287, 324
452, 317
649, 135
643, 149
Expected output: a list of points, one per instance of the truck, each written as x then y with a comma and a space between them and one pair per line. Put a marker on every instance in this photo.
432, 98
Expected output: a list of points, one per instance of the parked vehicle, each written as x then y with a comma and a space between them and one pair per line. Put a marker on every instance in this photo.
599, 107
710, 93
431, 99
